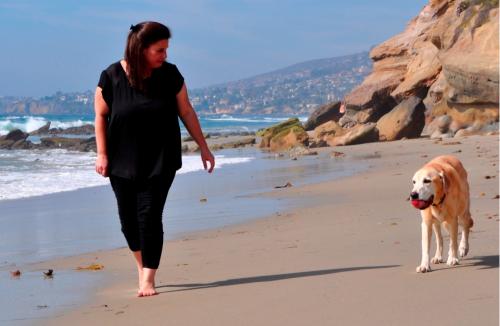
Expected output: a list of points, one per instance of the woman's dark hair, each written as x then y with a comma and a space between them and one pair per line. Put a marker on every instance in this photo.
140, 37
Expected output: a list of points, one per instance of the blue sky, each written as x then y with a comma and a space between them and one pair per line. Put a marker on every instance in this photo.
62, 45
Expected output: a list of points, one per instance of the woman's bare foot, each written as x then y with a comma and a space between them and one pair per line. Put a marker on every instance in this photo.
147, 283
147, 289
141, 290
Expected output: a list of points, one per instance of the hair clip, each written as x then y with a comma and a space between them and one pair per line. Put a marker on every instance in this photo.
134, 28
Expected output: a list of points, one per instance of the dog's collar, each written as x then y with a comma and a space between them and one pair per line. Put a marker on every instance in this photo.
440, 202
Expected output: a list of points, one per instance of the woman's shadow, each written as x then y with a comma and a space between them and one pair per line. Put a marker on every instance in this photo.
267, 278
484, 262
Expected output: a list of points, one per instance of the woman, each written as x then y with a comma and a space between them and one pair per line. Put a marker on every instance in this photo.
137, 104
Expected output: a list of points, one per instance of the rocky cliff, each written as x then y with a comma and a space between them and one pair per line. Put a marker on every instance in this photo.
447, 56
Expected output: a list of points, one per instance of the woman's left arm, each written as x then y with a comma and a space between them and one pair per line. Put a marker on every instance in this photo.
190, 120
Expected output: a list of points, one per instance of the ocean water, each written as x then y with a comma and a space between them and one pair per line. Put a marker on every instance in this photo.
27, 173
30, 123
217, 123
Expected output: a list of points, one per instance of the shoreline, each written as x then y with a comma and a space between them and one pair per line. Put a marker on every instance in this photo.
29, 173
236, 255
260, 175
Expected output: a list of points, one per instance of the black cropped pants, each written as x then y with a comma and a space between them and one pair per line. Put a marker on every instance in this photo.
140, 207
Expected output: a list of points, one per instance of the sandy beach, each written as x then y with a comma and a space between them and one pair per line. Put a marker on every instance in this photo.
345, 256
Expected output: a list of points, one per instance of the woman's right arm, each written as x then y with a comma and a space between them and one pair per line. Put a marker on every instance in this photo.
101, 117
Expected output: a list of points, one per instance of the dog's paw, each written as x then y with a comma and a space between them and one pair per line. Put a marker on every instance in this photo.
423, 268
452, 261
437, 260
463, 251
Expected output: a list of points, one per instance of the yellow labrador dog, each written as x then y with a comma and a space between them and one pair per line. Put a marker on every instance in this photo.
441, 192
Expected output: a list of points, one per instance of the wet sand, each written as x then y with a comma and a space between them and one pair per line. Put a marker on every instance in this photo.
346, 255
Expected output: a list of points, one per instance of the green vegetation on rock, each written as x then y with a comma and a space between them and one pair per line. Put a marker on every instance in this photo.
276, 129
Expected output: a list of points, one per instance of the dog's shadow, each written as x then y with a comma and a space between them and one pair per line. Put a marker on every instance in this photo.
483, 262
266, 278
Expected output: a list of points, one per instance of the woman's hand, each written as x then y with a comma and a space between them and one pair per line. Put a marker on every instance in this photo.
190, 120
101, 165
207, 156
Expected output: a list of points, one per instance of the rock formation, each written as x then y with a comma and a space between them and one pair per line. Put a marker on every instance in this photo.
447, 56
325, 113
406, 120
283, 136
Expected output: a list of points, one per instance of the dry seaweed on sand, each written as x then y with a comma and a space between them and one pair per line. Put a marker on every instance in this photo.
91, 267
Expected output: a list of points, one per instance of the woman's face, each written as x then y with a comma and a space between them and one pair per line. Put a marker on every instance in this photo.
156, 54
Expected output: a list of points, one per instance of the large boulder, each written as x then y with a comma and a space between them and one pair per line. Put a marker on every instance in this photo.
327, 112
76, 144
366, 115
289, 138
87, 129
328, 129
324, 134
22, 144
359, 134
15, 135
407, 119
439, 124
288, 133
349, 119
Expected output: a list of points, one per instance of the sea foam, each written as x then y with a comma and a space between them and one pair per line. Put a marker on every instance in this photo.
40, 172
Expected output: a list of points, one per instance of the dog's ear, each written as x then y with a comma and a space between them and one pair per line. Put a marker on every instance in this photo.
444, 180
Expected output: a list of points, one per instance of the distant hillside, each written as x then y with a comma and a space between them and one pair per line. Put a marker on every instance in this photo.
296, 89
59, 103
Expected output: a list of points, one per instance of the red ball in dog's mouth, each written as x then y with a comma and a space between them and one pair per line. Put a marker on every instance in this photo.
422, 204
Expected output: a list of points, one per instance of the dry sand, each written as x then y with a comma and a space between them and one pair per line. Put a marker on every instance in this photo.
347, 258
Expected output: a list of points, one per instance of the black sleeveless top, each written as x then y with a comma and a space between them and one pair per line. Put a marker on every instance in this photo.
143, 134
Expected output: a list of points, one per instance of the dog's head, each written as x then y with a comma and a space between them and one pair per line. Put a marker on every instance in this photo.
428, 184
